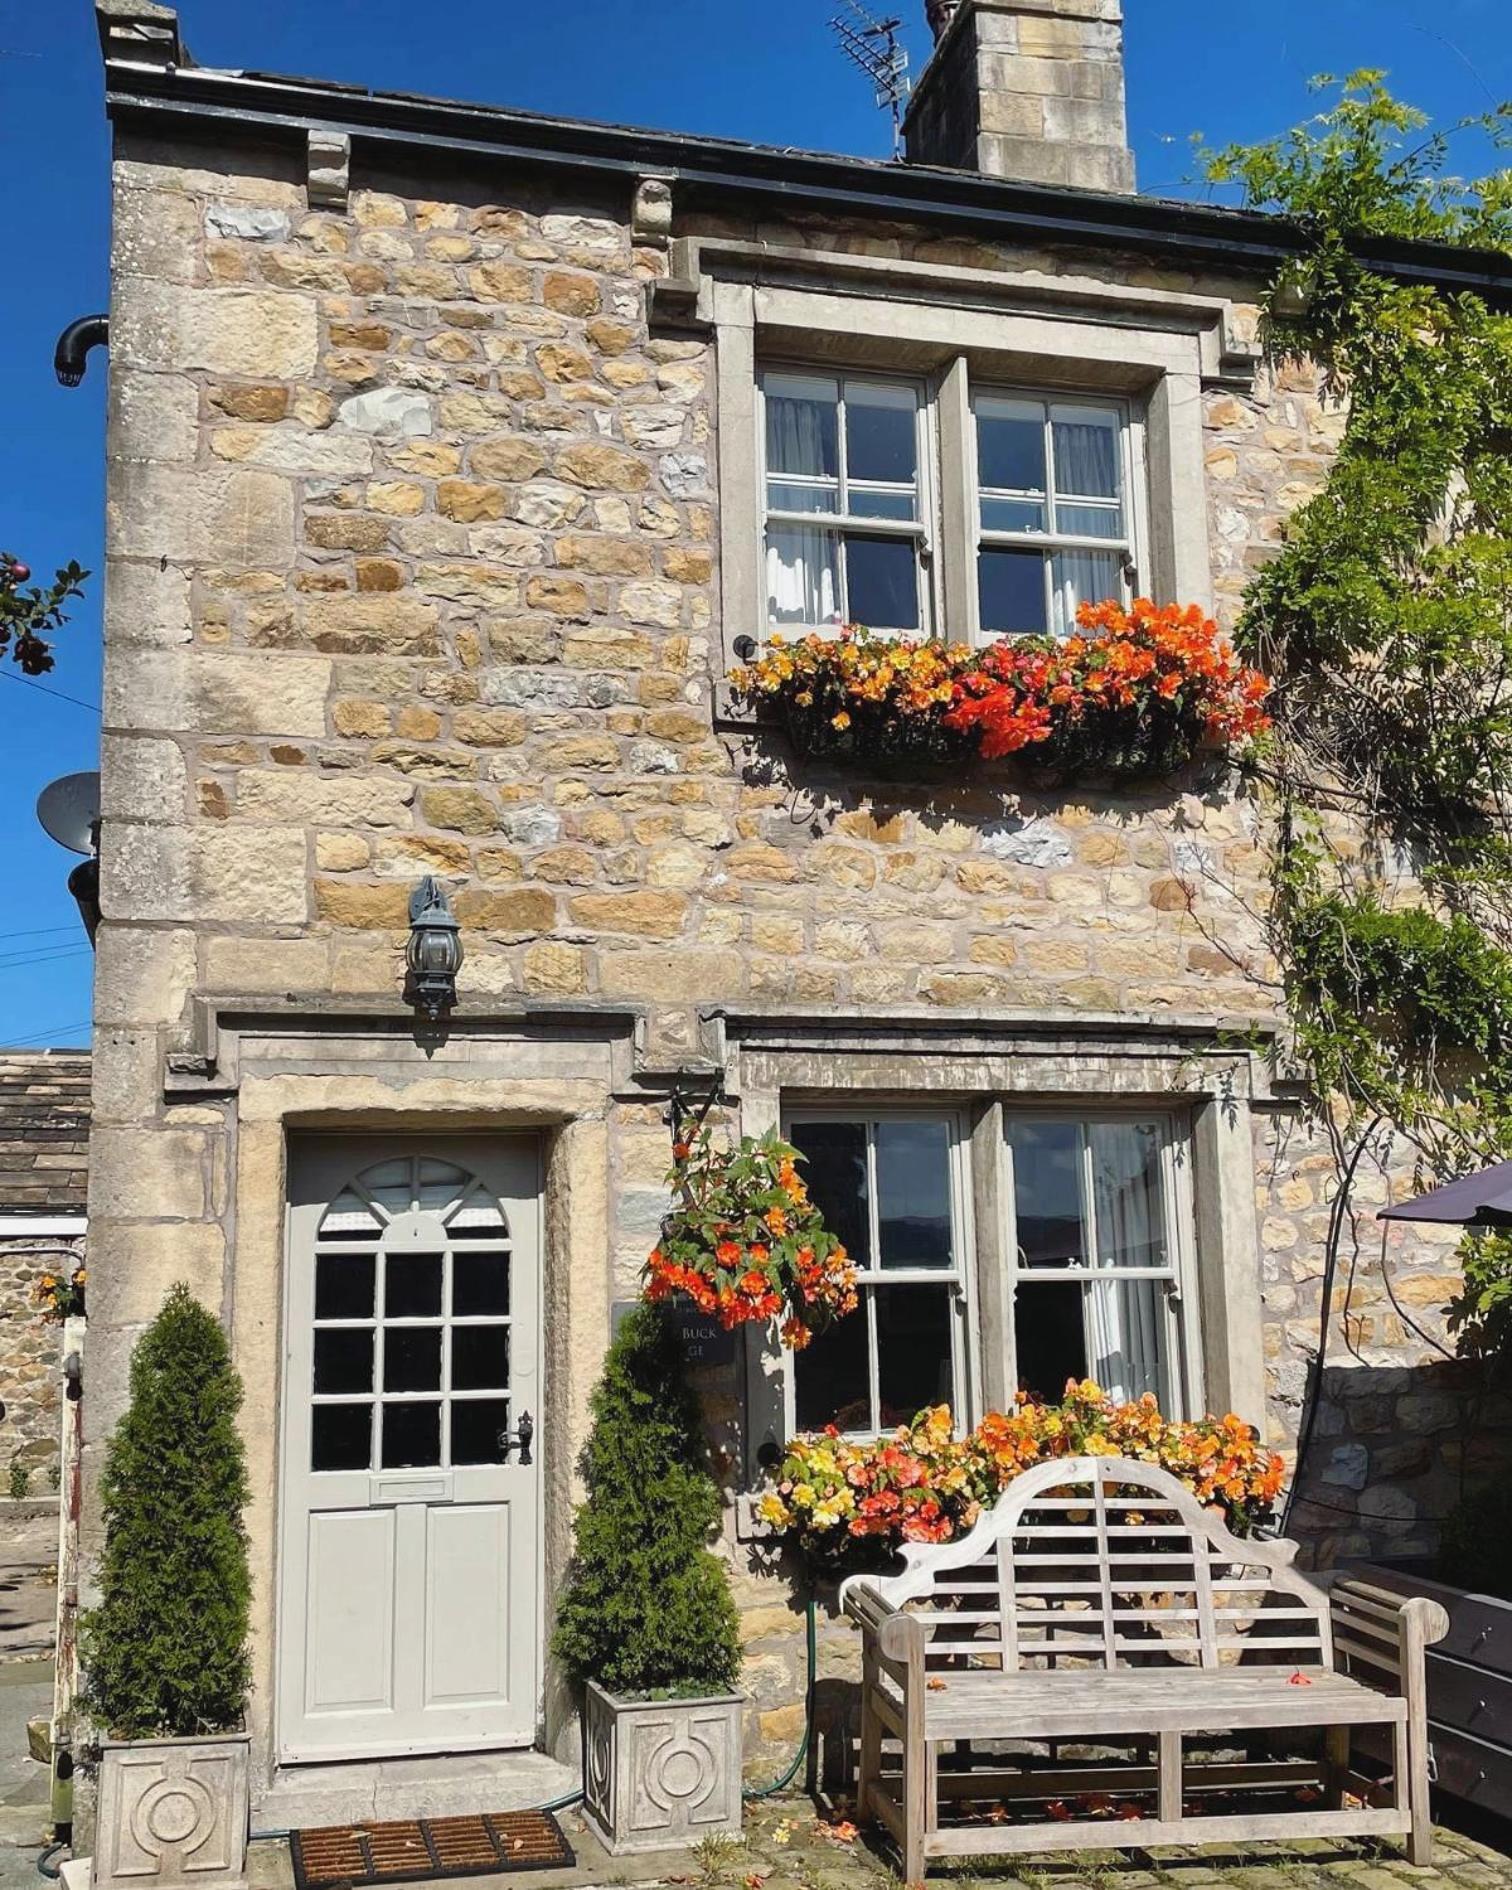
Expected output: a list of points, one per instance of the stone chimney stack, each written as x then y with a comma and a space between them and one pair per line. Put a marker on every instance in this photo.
1031, 90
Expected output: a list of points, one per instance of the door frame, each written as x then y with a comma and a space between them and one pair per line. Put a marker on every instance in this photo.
387, 1139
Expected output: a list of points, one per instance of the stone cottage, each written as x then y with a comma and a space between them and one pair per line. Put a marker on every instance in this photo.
456, 455
44, 1176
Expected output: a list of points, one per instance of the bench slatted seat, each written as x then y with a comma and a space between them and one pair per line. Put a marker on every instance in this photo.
1097, 1602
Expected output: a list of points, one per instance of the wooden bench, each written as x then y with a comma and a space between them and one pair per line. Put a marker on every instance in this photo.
1097, 1603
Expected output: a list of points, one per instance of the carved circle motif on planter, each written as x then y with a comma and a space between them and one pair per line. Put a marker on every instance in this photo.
174, 1811
681, 1768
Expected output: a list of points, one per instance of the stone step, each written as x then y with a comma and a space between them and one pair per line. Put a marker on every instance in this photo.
304, 1797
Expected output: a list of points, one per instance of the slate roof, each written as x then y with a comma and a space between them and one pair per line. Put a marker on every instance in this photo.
44, 1131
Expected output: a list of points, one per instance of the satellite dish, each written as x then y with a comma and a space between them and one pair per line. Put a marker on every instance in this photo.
69, 810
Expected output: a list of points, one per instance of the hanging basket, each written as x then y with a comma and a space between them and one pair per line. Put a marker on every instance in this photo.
745, 1244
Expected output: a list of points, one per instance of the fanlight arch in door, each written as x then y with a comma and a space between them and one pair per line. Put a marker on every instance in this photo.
413, 1184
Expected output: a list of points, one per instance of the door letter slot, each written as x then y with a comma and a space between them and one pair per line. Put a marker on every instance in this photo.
392, 1492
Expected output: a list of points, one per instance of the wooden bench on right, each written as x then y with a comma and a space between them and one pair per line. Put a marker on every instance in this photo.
1097, 1604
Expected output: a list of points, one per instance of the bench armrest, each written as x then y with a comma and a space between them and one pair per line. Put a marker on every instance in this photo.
1384, 1633
900, 1638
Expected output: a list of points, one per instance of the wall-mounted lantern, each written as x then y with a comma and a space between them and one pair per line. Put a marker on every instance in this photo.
435, 951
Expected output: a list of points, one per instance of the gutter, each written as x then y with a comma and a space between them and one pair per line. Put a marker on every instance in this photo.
708, 173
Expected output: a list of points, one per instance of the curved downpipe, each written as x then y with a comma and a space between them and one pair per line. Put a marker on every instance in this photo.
71, 356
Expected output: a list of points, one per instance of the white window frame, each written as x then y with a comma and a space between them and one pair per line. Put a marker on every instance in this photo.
1159, 349
1048, 542
922, 530
961, 1281
1180, 1393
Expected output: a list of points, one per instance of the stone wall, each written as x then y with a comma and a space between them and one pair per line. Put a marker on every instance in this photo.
413, 570
30, 1362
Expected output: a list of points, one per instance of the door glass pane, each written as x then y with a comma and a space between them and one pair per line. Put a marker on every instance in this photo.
802, 424
913, 1193
1125, 1336
344, 1285
832, 1377
412, 1286
480, 1284
341, 1437
881, 433
344, 1360
835, 1175
475, 1427
803, 575
412, 1358
480, 1358
1049, 1335
439, 1186
1012, 586
411, 1436
1047, 1192
1086, 453
1011, 445
913, 1351
882, 582
1127, 1194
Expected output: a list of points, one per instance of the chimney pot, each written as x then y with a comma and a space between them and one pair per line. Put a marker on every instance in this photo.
940, 13
1030, 90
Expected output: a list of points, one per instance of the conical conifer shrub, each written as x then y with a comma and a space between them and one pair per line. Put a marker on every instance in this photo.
165, 1652
647, 1608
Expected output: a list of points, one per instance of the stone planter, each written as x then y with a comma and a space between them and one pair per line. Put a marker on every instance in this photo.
661, 1773
172, 1812
1469, 1687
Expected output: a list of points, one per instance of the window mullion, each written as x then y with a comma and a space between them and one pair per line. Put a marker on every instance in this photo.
874, 1229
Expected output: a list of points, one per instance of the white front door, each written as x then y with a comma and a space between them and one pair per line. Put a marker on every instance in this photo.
408, 1616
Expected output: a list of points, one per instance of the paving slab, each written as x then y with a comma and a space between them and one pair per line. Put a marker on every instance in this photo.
788, 1845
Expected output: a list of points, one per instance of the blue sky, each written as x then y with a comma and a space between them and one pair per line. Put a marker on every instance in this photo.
768, 73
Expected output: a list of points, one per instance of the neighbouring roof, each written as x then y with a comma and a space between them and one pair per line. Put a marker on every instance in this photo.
208, 104
44, 1131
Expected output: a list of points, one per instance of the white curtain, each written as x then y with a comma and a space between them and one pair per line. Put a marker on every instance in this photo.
1086, 455
1082, 577
803, 580
1125, 1318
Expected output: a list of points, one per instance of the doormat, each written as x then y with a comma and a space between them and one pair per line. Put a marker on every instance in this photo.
415, 1850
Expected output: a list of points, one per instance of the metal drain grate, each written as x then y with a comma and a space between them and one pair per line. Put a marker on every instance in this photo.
416, 1850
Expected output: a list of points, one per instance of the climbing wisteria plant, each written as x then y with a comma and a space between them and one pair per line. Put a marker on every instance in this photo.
1385, 626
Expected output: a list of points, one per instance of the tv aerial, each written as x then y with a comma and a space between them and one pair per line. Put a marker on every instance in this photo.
872, 45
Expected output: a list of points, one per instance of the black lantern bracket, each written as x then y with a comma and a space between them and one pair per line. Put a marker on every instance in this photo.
435, 952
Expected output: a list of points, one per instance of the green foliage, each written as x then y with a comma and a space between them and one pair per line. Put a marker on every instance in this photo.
1385, 623
1482, 1315
1473, 1542
30, 614
647, 1608
20, 1478
165, 1652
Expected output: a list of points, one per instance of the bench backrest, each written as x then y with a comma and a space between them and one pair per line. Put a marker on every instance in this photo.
1107, 1562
